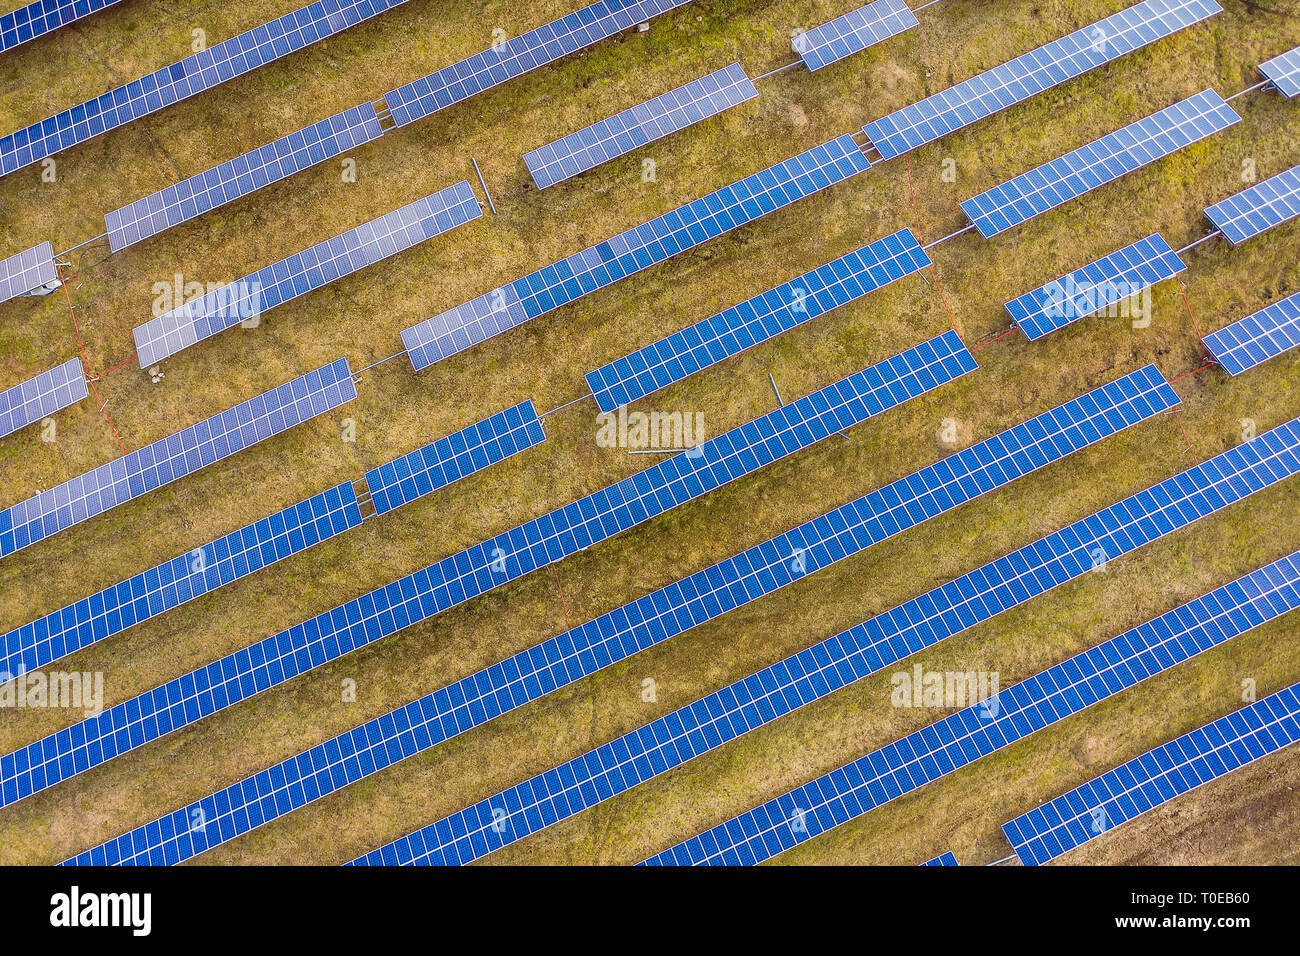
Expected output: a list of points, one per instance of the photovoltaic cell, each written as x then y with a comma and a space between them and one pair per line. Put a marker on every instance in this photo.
264, 542
1030, 74
173, 583
644, 123
173, 457
660, 745
43, 395
240, 176
1284, 71
439, 463
303, 272
1098, 285
43, 16
1261, 207
853, 32
30, 269
1102, 161
943, 859
482, 696
194, 74
960, 739
629, 252
755, 320
1257, 338
519, 55
1155, 778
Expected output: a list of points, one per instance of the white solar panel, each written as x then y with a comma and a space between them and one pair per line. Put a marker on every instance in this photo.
30, 269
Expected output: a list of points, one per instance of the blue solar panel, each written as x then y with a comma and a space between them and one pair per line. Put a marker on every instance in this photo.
853, 32
173, 583
168, 459
43, 16
194, 74
988, 725
1261, 207
1155, 778
1030, 74
1284, 71
480, 697
519, 55
1102, 161
28, 270
1099, 285
943, 859
757, 572
1256, 338
240, 176
755, 320
629, 252
439, 463
303, 272
43, 395
644, 123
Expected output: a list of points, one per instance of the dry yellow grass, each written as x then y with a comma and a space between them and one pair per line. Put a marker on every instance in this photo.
361, 316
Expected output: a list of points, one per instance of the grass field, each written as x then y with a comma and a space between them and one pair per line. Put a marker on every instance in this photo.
1248, 817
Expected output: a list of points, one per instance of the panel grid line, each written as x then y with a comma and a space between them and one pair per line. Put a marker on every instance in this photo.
1258, 337
480, 697
1284, 72
28, 270
853, 32
1259, 208
42, 17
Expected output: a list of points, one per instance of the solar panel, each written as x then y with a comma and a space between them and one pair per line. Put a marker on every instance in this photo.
184, 578
755, 320
1284, 71
1264, 335
30, 269
632, 759
43, 16
303, 272
943, 859
644, 123
989, 725
194, 74
173, 457
629, 252
386, 610
1261, 207
43, 395
240, 176
1097, 286
275, 537
1031, 73
519, 55
1156, 777
1102, 161
853, 32
439, 463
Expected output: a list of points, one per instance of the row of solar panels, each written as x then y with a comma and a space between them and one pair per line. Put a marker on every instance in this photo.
43, 16
504, 558
1007, 582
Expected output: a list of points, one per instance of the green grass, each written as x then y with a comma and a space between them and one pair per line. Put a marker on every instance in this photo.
360, 317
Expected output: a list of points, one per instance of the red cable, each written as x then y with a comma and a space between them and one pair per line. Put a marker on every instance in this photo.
567, 620
85, 363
